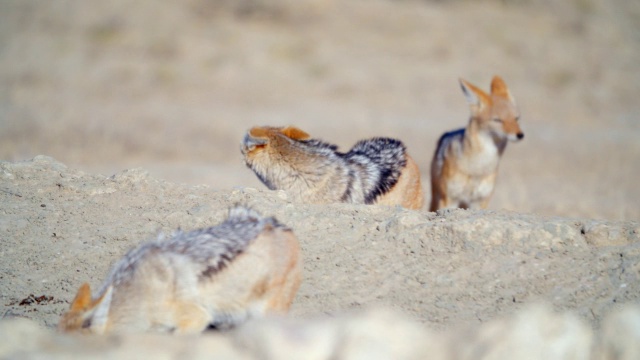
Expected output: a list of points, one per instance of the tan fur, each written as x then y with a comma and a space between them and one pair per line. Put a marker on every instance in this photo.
465, 163
295, 133
316, 177
408, 190
168, 294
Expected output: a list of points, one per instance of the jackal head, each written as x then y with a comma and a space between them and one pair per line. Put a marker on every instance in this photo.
86, 315
495, 112
266, 149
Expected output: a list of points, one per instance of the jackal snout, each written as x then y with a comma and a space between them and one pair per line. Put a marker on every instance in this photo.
509, 128
250, 142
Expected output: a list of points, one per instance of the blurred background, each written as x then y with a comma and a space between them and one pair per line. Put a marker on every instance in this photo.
172, 86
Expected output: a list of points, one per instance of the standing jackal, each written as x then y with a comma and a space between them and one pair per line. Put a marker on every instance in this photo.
219, 276
374, 171
465, 163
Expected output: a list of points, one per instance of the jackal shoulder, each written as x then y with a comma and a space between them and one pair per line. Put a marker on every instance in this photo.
449, 139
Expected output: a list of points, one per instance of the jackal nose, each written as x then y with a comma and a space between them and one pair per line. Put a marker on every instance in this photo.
520, 136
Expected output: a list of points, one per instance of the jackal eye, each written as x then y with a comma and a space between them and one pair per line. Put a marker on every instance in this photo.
518, 118
498, 120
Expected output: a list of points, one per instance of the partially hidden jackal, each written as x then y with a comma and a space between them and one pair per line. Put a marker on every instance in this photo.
220, 276
374, 171
465, 163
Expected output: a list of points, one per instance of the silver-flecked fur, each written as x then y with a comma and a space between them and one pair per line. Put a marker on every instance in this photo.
211, 248
311, 170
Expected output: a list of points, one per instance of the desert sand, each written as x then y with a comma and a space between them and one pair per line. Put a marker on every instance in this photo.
119, 120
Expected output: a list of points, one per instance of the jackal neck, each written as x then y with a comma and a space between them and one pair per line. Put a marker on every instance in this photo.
478, 137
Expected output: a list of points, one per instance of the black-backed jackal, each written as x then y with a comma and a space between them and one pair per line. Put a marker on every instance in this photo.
465, 163
374, 171
245, 267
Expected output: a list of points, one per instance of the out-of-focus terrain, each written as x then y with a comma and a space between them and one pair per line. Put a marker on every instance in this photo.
172, 87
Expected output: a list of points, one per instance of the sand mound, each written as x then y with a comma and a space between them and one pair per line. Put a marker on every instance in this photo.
61, 227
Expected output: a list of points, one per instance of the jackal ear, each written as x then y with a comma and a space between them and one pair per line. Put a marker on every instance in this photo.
82, 299
499, 88
475, 96
295, 133
97, 321
258, 132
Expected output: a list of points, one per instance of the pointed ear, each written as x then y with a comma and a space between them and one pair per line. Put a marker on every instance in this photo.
100, 313
259, 132
475, 96
295, 133
82, 299
499, 88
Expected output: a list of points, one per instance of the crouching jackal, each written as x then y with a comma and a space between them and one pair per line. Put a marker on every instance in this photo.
374, 171
465, 163
245, 267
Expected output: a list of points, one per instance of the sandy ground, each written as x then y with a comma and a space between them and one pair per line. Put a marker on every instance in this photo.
170, 89
445, 271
